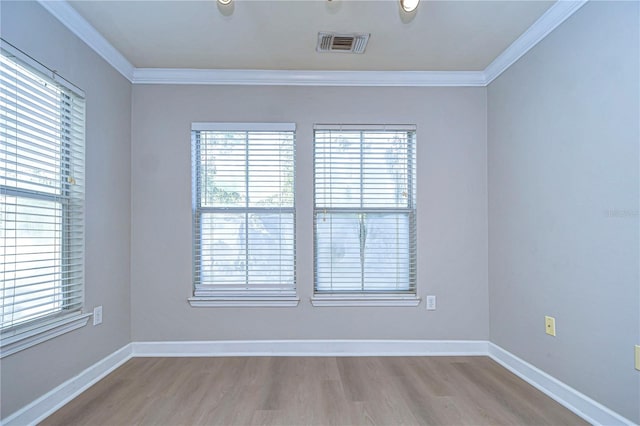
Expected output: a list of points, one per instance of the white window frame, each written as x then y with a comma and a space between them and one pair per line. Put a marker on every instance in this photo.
365, 298
18, 336
209, 296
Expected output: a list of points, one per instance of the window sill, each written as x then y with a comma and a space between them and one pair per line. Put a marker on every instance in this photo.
244, 302
364, 300
24, 338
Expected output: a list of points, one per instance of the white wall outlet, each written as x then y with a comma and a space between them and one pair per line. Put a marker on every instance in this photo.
431, 303
97, 315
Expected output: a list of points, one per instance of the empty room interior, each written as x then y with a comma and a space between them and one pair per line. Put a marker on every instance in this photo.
320, 212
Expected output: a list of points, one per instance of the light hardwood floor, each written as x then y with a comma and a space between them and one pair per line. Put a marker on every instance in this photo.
312, 391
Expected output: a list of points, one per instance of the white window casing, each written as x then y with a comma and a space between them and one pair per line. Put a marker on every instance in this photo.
42, 179
365, 215
243, 215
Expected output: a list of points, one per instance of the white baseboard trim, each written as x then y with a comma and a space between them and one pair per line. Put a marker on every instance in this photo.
585, 407
53, 400
312, 348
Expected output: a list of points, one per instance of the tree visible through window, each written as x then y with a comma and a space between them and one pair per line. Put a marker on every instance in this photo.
244, 212
364, 212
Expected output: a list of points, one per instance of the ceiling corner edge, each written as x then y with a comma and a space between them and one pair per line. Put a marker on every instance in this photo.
559, 12
70, 18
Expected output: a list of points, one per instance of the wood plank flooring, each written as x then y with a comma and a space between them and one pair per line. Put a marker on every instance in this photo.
312, 391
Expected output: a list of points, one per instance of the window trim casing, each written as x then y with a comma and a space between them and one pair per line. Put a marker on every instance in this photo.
364, 299
229, 299
23, 336
17, 340
408, 298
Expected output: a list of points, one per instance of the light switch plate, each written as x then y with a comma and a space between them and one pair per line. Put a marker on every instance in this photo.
637, 357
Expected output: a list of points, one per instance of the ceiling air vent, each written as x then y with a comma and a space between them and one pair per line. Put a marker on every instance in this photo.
344, 43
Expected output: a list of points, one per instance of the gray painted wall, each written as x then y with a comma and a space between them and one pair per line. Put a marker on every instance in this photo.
28, 374
452, 218
563, 226
563, 135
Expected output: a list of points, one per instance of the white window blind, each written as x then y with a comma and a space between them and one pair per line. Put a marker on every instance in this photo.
364, 209
41, 194
244, 210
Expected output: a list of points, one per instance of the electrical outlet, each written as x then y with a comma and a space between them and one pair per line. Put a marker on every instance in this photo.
637, 357
431, 303
550, 325
97, 315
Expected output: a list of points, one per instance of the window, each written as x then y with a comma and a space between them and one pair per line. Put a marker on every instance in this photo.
244, 214
42, 202
365, 214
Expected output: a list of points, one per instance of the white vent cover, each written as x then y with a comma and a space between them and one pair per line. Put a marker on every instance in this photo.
343, 43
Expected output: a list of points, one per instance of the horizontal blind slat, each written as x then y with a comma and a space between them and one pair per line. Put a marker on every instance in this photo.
64, 294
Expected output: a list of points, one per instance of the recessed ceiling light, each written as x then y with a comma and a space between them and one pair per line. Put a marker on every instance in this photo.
224, 2
407, 5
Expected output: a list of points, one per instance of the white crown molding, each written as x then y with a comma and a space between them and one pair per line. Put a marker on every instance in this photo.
575, 401
70, 18
47, 404
308, 78
554, 16
585, 407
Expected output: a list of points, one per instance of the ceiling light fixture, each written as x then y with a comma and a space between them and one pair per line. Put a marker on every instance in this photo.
224, 2
407, 5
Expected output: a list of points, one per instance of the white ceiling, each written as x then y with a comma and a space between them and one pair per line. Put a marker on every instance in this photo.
282, 35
